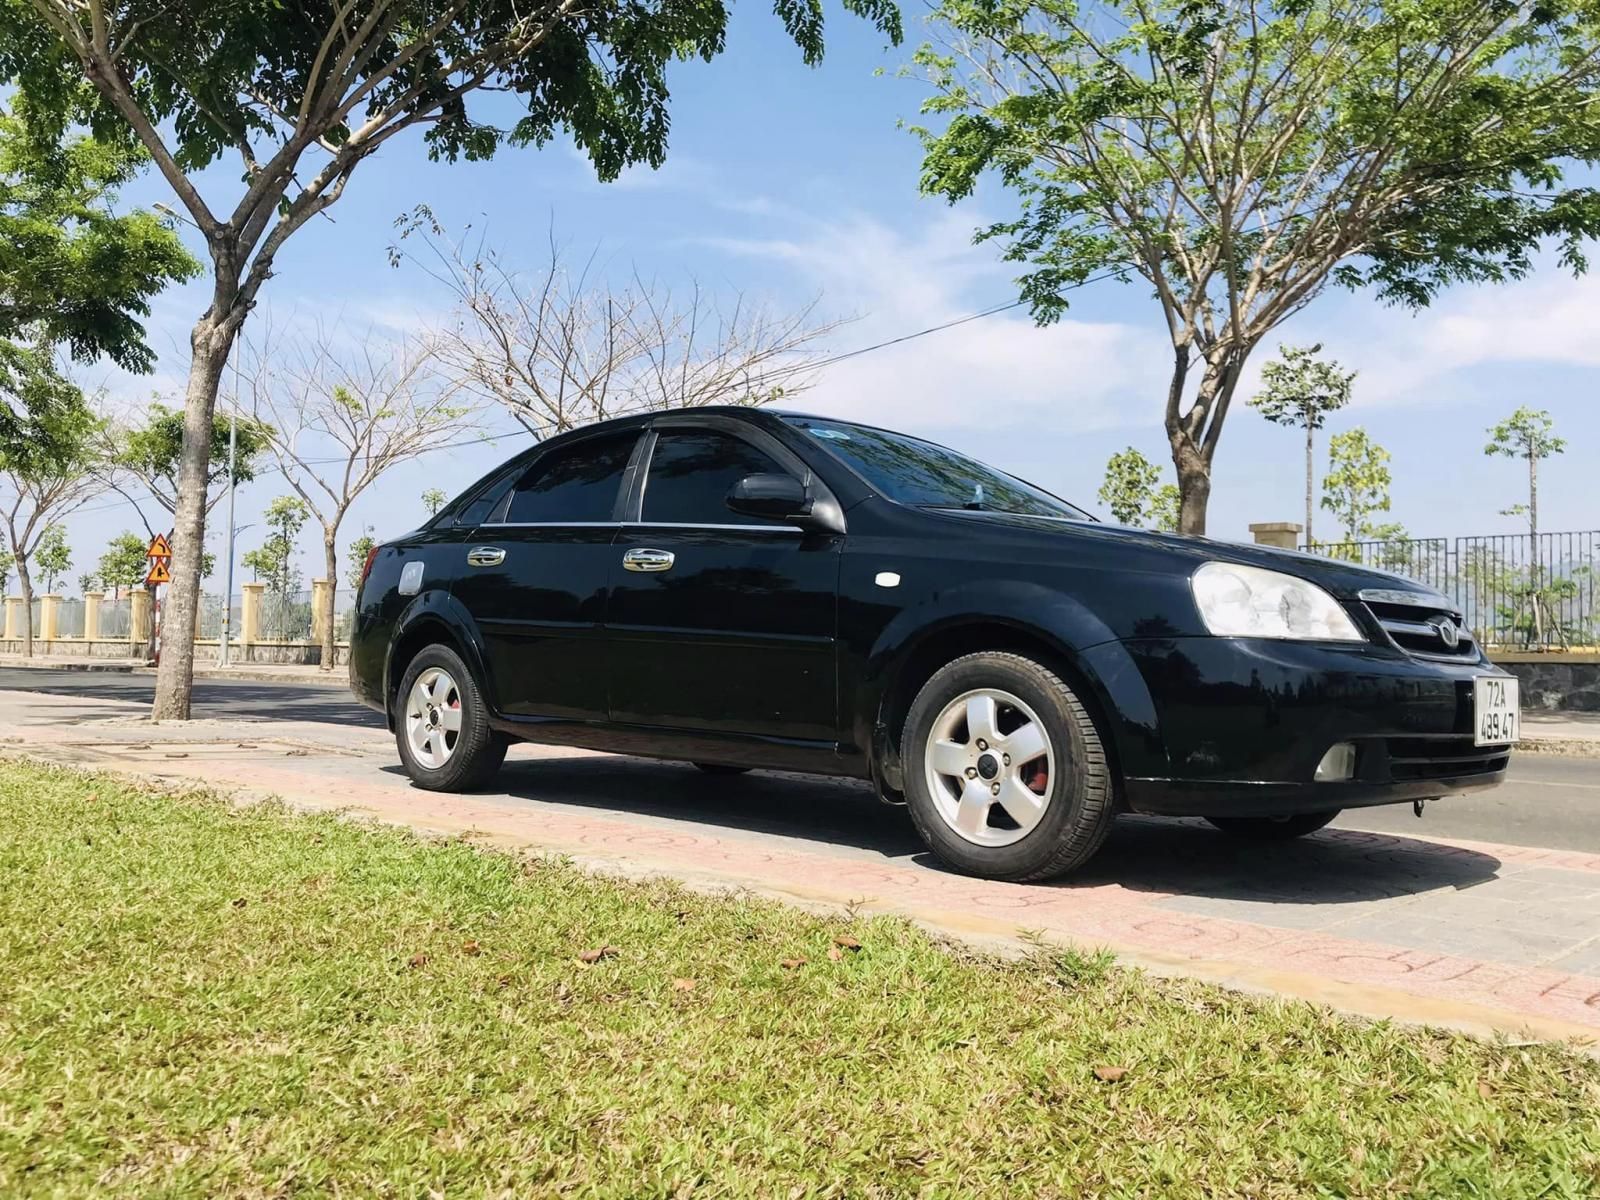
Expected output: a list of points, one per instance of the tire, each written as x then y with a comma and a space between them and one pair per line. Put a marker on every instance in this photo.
467, 757
721, 769
1071, 806
1274, 829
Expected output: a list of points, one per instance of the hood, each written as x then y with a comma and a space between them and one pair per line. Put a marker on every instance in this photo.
1341, 579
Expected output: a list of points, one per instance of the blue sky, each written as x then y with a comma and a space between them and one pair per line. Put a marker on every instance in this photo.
786, 182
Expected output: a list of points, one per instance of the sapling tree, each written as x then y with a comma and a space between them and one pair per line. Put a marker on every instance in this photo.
1356, 486
1300, 389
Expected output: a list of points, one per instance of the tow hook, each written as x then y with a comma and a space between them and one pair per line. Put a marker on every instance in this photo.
1416, 806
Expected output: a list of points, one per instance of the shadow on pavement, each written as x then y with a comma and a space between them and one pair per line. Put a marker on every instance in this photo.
1146, 854
241, 699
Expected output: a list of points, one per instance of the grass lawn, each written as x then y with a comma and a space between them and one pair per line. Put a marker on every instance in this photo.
198, 1000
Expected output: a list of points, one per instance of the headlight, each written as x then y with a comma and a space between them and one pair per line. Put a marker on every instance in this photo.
1237, 601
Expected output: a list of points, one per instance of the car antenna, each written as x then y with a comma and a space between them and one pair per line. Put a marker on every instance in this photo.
977, 497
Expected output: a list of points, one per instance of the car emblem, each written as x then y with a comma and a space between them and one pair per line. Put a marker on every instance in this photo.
1448, 633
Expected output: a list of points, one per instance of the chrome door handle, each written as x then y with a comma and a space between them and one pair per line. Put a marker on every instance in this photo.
486, 556
648, 560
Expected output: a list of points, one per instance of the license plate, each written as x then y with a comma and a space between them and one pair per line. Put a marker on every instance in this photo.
1496, 718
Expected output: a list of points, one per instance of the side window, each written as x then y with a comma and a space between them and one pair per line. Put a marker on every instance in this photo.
576, 483
476, 511
691, 473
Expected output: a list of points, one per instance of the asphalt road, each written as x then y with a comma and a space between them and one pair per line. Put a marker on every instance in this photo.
1547, 800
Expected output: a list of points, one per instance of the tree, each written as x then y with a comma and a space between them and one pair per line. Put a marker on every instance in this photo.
433, 500
356, 556
52, 555
273, 560
337, 418
1528, 433
1129, 486
561, 347
303, 95
1241, 157
151, 453
1165, 507
73, 273
123, 565
1301, 389
41, 481
1357, 485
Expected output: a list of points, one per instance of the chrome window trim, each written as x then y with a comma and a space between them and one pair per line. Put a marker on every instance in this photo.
1435, 600
635, 525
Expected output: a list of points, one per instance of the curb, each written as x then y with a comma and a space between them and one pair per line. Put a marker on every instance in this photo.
1561, 747
335, 679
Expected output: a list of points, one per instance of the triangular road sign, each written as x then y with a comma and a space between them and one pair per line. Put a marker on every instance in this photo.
159, 548
158, 572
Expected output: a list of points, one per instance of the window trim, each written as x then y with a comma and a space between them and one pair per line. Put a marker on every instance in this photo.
742, 431
498, 514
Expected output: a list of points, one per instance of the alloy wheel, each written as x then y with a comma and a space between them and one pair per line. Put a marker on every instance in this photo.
433, 718
990, 765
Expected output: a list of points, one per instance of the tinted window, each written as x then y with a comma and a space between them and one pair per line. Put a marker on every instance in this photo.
912, 471
691, 473
575, 483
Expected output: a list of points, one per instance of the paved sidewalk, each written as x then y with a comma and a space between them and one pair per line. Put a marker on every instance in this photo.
1474, 935
266, 672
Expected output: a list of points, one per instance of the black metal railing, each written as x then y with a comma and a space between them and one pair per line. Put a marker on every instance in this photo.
1514, 591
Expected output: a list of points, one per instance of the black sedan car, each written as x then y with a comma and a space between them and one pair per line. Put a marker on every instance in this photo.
742, 588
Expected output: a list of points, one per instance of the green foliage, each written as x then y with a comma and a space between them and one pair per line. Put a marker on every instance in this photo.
52, 555
1241, 157
123, 565
1133, 492
1129, 484
1357, 483
73, 271
247, 997
153, 450
433, 500
273, 560
1299, 389
357, 557
1526, 433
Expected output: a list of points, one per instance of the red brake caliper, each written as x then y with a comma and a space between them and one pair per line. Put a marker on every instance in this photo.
1036, 775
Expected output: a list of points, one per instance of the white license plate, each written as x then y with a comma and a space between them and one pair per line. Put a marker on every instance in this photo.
1496, 717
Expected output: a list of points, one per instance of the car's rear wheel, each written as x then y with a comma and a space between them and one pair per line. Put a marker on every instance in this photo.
1005, 773
441, 725
1274, 829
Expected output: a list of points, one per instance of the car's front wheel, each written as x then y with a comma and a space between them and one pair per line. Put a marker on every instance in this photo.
1005, 773
441, 725
1274, 829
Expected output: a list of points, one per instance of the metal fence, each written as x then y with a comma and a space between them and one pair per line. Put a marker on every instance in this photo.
211, 617
69, 619
116, 618
286, 616
1514, 591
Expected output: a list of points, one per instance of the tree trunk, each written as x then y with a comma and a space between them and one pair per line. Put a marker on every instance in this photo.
25, 586
330, 558
209, 344
1311, 436
1193, 435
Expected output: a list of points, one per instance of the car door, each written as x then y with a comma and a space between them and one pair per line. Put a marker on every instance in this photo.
535, 576
719, 621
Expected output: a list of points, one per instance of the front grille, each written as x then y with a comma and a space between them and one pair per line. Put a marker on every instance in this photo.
1425, 630
1442, 758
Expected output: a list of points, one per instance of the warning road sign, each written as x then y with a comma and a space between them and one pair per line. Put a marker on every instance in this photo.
159, 548
158, 572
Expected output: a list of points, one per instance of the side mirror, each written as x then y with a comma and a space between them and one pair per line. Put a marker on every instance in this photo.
769, 495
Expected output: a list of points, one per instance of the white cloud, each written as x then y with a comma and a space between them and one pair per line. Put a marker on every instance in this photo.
1000, 371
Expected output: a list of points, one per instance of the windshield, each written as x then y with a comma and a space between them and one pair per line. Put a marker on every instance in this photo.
923, 475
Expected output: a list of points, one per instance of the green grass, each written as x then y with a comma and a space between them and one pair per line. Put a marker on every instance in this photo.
201, 1000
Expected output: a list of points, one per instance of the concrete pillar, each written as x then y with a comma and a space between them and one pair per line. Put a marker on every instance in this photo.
250, 613
14, 618
49, 617
91, 615
139, 616
1285, 535
319, 597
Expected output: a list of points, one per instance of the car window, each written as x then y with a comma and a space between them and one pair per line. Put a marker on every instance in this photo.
691, 473
573, 484
911, 471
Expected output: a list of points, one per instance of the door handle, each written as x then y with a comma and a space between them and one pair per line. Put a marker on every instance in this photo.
486, 556
648, 560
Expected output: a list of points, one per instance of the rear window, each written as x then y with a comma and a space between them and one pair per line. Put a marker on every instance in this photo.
574, 484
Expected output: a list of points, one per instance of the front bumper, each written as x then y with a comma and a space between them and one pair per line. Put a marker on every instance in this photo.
1244, 723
